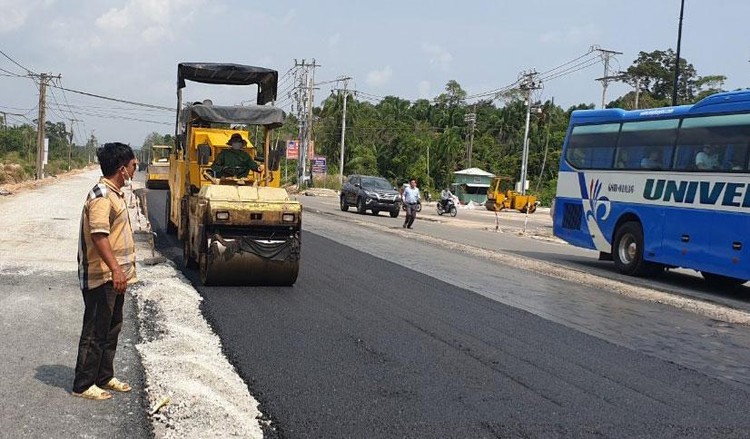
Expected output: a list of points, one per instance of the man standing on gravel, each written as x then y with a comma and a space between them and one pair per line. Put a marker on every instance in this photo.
411, 199
106, 265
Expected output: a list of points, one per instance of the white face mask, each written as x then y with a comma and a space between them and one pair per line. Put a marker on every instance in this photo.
236, 145
127, 179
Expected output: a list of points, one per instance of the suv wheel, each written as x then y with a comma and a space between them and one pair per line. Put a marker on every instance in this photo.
361, 209
394, 213
344, 204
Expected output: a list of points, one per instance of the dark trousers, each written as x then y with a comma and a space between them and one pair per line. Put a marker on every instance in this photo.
102, 321
411, 214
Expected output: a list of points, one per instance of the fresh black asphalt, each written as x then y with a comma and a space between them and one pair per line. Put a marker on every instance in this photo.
364, 347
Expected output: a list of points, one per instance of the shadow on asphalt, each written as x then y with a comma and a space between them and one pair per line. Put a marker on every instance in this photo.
55, 375
670, 280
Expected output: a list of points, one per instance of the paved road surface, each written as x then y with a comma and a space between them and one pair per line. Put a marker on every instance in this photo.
388, 337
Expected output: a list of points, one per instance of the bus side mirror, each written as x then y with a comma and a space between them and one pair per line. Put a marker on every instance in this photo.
204, 154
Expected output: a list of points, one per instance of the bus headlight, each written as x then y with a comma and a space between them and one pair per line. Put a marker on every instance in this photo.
222, 215
287, 217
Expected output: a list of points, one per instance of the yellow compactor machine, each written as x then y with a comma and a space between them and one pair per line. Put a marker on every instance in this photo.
157, 171
501, 195
237, 229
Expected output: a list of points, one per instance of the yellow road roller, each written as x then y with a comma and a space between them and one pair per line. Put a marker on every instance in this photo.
238, 226
157, 172
501, 195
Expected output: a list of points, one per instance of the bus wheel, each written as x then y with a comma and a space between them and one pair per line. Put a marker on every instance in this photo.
722, 281
627, 249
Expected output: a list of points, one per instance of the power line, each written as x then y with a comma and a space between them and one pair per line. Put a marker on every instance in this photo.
590, 51
572, 69
140, 104
28, 71
12, 73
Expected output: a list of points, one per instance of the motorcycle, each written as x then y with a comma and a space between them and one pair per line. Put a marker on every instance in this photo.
419, 206
450, 208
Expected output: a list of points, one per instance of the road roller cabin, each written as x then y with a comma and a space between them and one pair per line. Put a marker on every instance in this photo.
238, 228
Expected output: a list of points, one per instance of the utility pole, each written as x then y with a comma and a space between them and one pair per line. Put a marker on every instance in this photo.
70, 143
306, 73
606, 79
345, 80
677, 56
43, 78
471, 119
529, 83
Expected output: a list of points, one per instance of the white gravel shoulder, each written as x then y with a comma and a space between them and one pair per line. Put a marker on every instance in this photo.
182, 356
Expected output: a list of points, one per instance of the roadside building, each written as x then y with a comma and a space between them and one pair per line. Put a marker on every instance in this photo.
471, 185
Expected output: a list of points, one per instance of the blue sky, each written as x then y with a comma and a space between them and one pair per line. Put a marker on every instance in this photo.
129, 49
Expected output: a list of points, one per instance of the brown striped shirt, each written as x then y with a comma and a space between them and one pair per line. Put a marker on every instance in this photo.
105, 211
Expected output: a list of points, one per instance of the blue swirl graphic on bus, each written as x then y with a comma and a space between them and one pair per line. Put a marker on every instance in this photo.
599, 205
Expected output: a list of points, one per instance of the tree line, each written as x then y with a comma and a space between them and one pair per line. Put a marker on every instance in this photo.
427, 139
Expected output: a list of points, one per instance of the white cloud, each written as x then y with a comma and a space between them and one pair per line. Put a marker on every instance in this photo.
148, 22
114, 19
14, 13
290, 16
438, 55
378, 78
573, 35
423, 89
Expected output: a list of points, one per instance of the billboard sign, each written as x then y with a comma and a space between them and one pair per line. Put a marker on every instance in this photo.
319, 165
292, 150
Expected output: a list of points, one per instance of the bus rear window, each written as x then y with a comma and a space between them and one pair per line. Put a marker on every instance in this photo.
592, 146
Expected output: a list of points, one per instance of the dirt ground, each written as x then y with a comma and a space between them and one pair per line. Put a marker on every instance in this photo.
14, 188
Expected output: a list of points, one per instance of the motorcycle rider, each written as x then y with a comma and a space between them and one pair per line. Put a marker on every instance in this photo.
445, 196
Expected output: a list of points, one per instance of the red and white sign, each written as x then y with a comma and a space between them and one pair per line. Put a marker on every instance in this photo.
292, 150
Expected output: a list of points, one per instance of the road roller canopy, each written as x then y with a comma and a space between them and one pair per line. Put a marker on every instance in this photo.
270, 117
231, 74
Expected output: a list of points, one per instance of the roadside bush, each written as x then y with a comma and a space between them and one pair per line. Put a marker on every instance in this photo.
12, 173
547, 193
327, 181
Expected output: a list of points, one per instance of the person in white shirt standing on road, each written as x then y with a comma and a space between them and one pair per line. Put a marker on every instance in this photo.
411, 198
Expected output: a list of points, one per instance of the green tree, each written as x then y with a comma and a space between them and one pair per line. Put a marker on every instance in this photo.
653, 74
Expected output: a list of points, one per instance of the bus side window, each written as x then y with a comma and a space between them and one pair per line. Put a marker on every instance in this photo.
652, 139
593, 146
736, 158
685, 157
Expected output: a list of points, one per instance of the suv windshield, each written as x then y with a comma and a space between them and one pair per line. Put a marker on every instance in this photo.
376, 183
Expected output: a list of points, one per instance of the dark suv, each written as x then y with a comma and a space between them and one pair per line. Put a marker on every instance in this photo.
370, 193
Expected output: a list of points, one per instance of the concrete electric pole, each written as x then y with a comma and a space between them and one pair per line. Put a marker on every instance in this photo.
606, 79
306, 76
70, 143
529, 83
471, 119
43, 79
343, 128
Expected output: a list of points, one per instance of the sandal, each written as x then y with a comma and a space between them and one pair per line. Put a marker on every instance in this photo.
117, 385
94, 392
